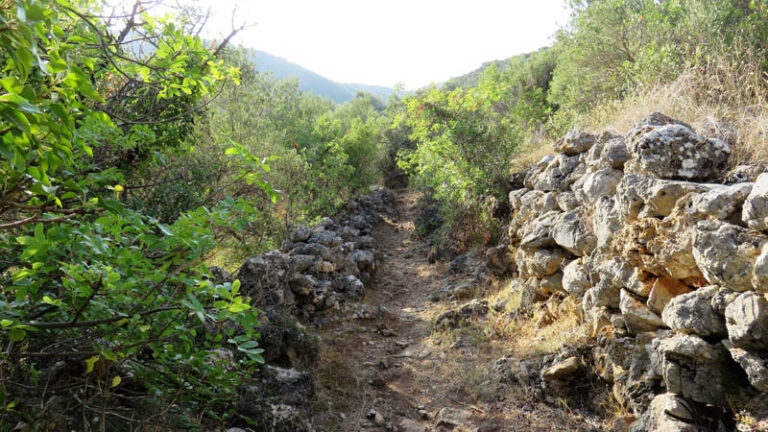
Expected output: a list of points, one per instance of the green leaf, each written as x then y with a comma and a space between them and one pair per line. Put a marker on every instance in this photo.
17, 335
90, 363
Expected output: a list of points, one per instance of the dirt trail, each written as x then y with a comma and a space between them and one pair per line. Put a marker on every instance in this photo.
395, 364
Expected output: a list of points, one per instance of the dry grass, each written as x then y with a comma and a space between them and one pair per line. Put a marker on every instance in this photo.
724, 97
555, 324
533, 151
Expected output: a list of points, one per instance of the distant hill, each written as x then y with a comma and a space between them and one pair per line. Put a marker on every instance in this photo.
471, 79
311, 81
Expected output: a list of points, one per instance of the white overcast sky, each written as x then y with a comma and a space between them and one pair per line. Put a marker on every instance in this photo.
384, 42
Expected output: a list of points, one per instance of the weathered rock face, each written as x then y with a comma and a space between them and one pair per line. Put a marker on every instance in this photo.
747, 321
571, 232
668, 257
755, 213
575, 142
693, 313
696, 369
599, 184
726, 253
667, 413
637, 315
575, 279
674, 151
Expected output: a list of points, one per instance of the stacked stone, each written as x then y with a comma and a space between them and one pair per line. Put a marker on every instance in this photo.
322, 267
668, 255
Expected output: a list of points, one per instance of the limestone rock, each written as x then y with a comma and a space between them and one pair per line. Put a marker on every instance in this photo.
641, 196
747, 321
753, 364
540, 202
606, 221
760, 273
674, 151
453, 417
516, 198
570, 231
696, 369
540, 262
562, 370
755, 212
537, 234
666, 414
722, 298
724, 203
575, 142
567, 201
726, 253
662, 247
744, 174
693, 313
408, 425
664, 289
575, 279
602, 294
636, 314
559, 174
598, 184
649, 123
615, 153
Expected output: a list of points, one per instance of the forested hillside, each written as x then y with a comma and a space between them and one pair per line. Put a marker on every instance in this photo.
310, 81
189, 243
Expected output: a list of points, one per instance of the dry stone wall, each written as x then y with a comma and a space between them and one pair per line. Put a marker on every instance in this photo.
319, 273
667, 252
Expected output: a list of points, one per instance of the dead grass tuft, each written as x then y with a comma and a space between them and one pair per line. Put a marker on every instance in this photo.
553, 325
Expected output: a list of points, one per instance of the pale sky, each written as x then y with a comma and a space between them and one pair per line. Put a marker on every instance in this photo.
384, 42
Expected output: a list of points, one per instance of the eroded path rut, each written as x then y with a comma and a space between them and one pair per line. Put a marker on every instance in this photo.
392, 362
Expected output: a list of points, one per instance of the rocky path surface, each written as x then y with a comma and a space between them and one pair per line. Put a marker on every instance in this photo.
391, 370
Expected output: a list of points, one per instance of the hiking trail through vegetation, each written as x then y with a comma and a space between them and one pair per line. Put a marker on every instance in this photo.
398, 370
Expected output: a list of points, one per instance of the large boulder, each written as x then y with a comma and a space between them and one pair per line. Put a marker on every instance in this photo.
693, 313
755, 212
698, 370
571, 232
674, 151
746, 318
726, 253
